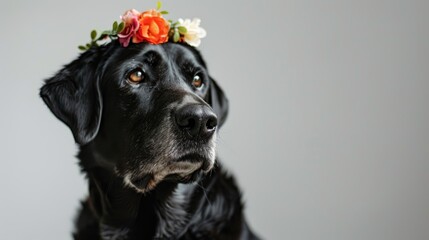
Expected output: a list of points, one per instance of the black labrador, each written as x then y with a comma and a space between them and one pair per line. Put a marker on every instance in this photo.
146, 119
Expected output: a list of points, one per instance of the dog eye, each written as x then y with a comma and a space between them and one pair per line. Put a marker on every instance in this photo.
197, 82
136, 76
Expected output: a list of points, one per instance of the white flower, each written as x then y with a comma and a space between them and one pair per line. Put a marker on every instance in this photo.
194, 32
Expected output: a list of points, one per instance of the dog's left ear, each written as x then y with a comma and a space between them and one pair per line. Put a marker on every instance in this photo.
218, 102
73, 96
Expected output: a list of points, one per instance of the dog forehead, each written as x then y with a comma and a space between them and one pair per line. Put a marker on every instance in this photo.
182, 53
172, 53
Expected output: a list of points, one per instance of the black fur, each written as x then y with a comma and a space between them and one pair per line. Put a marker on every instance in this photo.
149, 176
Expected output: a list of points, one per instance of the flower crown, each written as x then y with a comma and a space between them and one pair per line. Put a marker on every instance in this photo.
149, 26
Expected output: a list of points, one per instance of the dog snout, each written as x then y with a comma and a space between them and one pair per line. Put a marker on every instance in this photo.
197, 121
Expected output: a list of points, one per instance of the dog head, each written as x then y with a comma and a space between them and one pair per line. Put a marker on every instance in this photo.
148, 113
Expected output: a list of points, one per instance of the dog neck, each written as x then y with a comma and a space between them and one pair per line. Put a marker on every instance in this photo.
122, 212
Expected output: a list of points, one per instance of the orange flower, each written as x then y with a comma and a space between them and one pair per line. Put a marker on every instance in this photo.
153, 28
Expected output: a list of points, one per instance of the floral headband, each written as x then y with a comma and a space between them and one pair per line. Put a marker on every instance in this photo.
150, 26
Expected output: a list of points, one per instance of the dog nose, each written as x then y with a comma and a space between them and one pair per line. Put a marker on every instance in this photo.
197, 120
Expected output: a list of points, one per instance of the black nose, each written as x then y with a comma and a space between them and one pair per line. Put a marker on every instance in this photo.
197, 120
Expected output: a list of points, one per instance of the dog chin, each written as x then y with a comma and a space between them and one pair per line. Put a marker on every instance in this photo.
184, 170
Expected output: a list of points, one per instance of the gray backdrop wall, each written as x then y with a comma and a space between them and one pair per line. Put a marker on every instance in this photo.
328, 132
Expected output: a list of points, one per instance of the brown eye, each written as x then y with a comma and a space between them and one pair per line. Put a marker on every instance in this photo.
136, 76
197, 82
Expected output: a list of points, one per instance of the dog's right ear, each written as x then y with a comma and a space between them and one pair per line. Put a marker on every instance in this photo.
218, 102
73, 96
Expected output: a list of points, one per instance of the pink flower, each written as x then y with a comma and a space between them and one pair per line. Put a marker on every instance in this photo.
131, 21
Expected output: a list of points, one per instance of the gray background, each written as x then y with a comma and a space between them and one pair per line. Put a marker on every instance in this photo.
328, 132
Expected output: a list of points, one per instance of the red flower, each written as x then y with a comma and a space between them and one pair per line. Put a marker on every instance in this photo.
153, 28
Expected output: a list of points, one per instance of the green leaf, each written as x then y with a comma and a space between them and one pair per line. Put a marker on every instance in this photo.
164, 12
83, 48
158, 5
121, 27
176, 36
107, 32
115, 26
93, 34
182, 29
88, 45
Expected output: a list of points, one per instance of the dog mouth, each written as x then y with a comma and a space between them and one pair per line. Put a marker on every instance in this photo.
206, 164
185, 169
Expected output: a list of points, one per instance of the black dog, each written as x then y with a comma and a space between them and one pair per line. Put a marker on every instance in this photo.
146, 119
